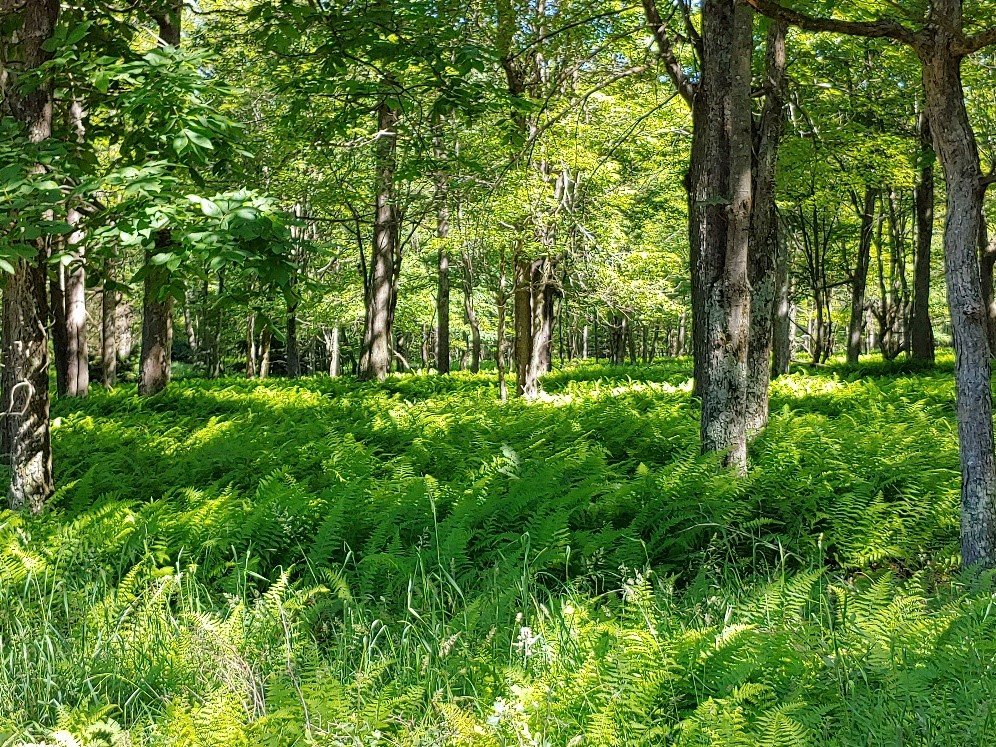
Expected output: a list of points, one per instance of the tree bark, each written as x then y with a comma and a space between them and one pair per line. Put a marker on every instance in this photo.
781, 343
859, 279
293, 345
764, 246
157, 322
77, 353
25, 305
60, 334
957, 148
108, 335
157, 306
921, 329
377, 355
721, 210
470, 313
523, 320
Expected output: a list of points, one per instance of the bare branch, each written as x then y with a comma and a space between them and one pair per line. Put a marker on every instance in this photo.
666, 50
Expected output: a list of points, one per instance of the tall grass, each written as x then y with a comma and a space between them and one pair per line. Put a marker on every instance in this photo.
334, 563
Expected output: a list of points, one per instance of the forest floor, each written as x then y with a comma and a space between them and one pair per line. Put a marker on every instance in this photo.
326, 562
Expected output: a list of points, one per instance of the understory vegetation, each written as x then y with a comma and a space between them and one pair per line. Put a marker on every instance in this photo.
321, 561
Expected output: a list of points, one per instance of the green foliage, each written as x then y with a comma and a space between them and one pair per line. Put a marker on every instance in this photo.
325, 562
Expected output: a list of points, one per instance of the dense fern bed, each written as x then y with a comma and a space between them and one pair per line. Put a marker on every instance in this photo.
325, 562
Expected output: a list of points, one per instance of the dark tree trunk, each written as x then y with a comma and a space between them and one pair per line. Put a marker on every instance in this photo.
470, 313
443, 264
157, 305
523, 319
764, 248
721, 211
25, 305
543, 295
958, 151
921, 329
859, 279
157, 322
293, 345
108, 334
60, 335
375, 362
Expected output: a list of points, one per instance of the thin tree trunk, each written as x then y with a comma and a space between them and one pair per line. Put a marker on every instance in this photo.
470, 313
859, 280
77, 353
781, 334
523, 318
293, 345
375, 362
60, 335
108, 332
764, 248
921, 329
333, 344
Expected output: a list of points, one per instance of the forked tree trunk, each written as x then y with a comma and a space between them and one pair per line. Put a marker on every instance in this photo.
375, 362
921, 329
764, 247
859, 280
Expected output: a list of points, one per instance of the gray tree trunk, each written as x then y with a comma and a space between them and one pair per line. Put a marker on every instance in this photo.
377, 355
764, 244
859, 280
721, 210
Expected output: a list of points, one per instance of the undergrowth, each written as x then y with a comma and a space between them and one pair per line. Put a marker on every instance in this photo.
413, 563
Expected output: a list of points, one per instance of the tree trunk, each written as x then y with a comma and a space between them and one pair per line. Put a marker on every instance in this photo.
123, 332
157, 306
77, 354
859, 280
333, 343
543, 294
470, 313
921, 329
60, 335
25, 306
523, 320
375, 362
764, 248
722, 213
293, 346
443, 273
265, 337
108, 336
958, 151
781, 333
157, 323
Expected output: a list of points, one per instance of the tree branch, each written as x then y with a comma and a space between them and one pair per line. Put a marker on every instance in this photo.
883, 28
666, 50
979, 41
